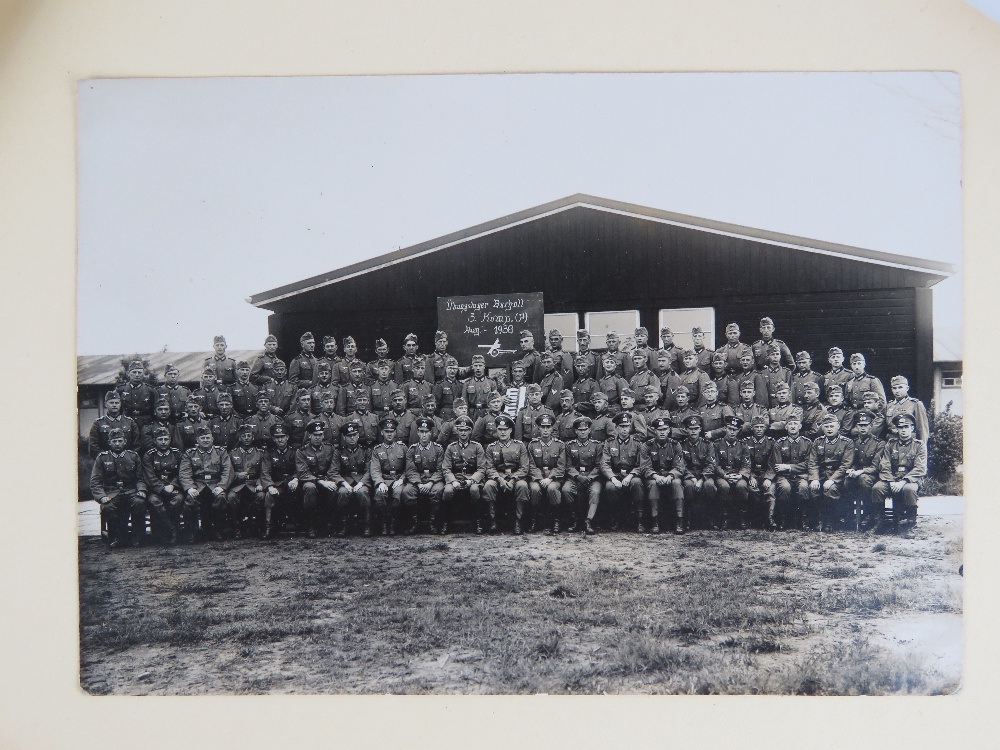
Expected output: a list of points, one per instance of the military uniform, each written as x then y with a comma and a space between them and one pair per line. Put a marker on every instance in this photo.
246, 493
677, 417
446, 390
791, 486
674, 356
387, 464
646, 378
424, 476
146, 437
592, 361
760, 347
581, 492
476, 392
548, 461
415, 390
99, 431
773, 376
747, 412
354, 485
723, 384
914, 408
161, 472
208, 399
348, 397
829, 463
901, 462
436, 425
262, 368
666, 461
695, 381
313, 464
525, 428
733, 353
277, 469
704, 355
612, 387
699, 465
187, 429
732, 496
845, 415
713, 419
465, 464
302, 370
177, 396
836, 376
583, 389
858, 386
342, 369
118, 485
244, 395
620, 460
811, 416
779, 415
322, 391
799, 379
262, 424
760, 451
760, 393
867, 455
225, 430
295, 422
551, 384
282, 393
403, 367
204, 471
563, 361
224, 367
137, 402
507, 467
368, 422
381, 395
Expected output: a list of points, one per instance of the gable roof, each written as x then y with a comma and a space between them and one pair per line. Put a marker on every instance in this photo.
936, 269
103, 369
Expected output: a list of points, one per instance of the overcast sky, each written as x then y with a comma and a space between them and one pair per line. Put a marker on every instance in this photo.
195, 193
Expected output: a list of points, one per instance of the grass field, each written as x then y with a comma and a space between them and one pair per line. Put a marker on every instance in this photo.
710, 612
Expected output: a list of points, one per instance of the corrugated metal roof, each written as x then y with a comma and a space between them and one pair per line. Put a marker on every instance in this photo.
935, 269
103, 369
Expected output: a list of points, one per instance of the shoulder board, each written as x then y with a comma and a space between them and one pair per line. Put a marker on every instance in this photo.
153, 450
557, 440
103, 453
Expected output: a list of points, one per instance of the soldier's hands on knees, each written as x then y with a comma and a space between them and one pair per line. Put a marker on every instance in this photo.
192, 493
814, 485
897, 486
828, 485
293, 484
272, 491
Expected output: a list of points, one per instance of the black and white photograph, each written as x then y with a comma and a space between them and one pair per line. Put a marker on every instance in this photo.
576, 383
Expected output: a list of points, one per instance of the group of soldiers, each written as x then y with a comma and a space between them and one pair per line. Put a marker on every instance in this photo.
743, 435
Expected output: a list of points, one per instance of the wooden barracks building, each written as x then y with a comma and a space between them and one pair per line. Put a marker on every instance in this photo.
602, 264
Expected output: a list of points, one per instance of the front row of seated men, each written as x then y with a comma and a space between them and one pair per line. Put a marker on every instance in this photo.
706, 479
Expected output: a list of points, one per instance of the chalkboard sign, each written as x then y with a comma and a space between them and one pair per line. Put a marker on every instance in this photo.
491, 325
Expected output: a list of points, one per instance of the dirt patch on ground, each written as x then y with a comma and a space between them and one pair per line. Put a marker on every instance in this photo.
709, 612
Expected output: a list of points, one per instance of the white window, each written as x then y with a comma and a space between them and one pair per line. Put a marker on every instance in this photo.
681, 320
622, 322
951, 378
567, 324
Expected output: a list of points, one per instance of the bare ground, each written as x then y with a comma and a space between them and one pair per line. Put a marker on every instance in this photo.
710, 612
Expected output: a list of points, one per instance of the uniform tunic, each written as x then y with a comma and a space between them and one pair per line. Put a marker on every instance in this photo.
98, 438
548, 460
201, 469
772, 377
731, 458
415, 391
811, 414
779, 415
147, 441
799, 379
262, 368
841, 376
747, 413
244, 397
161, 469
262, 425
903, 462
733, 354
665, 459
277, 467
282, 395
760, 452
225, 368
208, 399
712, 417
583, 389
464, 463
475, 392
188, 431
620, 458
795, 452
446, 390
760, 347
699, 458
831, 459
369, 427
347, 399
551, 384
507, 460
704, 356
116, 474
387, 462
524, 426
913, 407
302, 370
137, 402
177, 396
380, 391
858, 386
425, 463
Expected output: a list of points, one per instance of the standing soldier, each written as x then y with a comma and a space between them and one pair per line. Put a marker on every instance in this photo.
448, 435
861, 477
835, 405
682, 411
649, 408
904, 403
733, 349
674, 352
874, 405
302, 369
692, 377
175, 393
404, 365
790, 472
387, 467
530, 357
567, 415
611, 384
278, 477
478, 388
832, 457
161, 418
205, 474
669, 379
429, 404
546, 472
783, 409
381, 386
803, 374
329, 418
403, 416
812, 411
316, 467
262, 369
713, 414
464, 468
563, 359
602, 427
838, 374
703, 354
583, 350
902, 466
330, 357
620, 468
746, 373
584, 385
639, 428
366, 421
297, 419
551, 382
246, 493
861, 382
507, 467
644, 376
225, 424
437, 361
342, 369
766, 342
208, 394
262, 421
381, 354
760, 485
353, 480
747, 409
243, 392
417, 387
223, 366
526, 428
699, 473
447, 389
732, 474
581, 492
661, 464
281, 390
642, 345
117, 484
774, 374
324, 385
113, 419
187, 428
354, 387
138, 397
623, 359
424, 475
161, 466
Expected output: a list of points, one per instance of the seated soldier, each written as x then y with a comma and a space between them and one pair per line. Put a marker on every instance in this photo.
280, 482
174, 392
188, 427
584, 386
118, 485
525, 427
699, 473
317, 469
551, 381
477, 389
581, 492
366, 421
353, 480
803, 374
161, 419
563, 359
903, 403
464, 469
902, 467
547, 469
507, 467
838, 374
661, 465
424, 473
243, 392
861, 383
760, 485
225, 424
161, 466
381, 355
205, 474
861, 477
447, 389
246, 494
623, 489
417, 387
774, 375
387, 467
790, 473
113, 419
381, 388
832, 457
262, 420
732, 474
